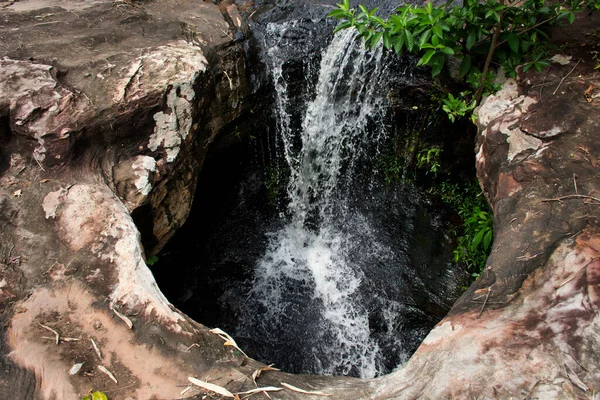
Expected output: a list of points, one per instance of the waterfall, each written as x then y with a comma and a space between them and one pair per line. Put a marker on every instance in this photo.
342, 274
306, 277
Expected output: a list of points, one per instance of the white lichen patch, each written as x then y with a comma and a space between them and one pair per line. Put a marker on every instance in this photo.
176, 67
518, 141
52, 201
143, 166
173, 127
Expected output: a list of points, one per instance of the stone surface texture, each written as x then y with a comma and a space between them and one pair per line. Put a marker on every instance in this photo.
107, 107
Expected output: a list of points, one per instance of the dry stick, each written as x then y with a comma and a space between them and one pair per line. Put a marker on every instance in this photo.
488, 60
542, 85
565, 77
572, 196
38, 162
574, 274
575, 183
51, 330
531, 390
530, 28
485, 302
229, 79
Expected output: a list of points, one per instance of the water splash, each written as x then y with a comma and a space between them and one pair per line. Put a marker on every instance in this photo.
309, 257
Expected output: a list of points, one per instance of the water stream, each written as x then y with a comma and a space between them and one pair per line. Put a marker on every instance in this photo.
310, 256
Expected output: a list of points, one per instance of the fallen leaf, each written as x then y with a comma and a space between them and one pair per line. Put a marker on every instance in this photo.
262, 389
18, 193
96, 349
211, 387
256, 374
295, 389
75, 368
228, 339
107, 372
123, 317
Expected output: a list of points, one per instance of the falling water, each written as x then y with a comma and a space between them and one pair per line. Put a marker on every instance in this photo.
307, 277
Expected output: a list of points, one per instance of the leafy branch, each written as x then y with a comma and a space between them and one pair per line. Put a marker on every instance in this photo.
478, 33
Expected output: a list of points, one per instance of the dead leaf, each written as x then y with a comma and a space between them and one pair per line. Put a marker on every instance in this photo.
96, 349
44, 180
295, 389
228, 339
123, 317
53, 331
107, 372
18, 193
262, 389
75, 368
256, 374
211, 387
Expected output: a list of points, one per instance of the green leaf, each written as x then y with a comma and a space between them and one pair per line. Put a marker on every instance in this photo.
477, 239
425, 59
571, 17
375, 39
99, 396
447, 51
399, 43
424, 36
437, 63
343, 25
465, 66
337, 13
513, 42
410, 40
437, 31
387, 40
471, 39
487, 239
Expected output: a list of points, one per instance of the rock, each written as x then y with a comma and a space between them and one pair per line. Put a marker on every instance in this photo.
109, 107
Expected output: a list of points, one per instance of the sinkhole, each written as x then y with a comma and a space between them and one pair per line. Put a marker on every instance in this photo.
300, 244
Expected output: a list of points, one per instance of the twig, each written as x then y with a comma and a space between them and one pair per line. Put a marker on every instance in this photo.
565, 77
574, 274
121, 388
51, 330
542, 86
527, 257
38, 163
531, 390
572, 196
10, 3
48, 23
592, 178
485, 301
497, 29
575, 183
192, 345
229, 79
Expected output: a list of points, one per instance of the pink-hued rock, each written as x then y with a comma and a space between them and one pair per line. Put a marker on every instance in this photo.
105, 112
